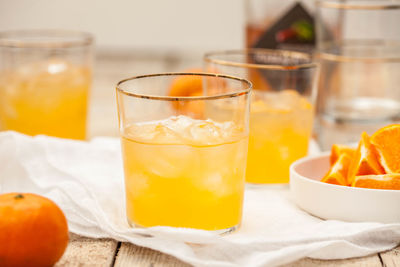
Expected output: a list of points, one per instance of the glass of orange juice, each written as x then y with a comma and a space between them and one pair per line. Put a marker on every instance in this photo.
45, 77
184, 166
282, 107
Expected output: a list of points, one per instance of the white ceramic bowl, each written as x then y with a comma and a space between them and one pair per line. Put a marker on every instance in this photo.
337, 202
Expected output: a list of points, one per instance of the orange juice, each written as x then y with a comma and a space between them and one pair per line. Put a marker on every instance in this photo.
280, 128
45, 98
183, 172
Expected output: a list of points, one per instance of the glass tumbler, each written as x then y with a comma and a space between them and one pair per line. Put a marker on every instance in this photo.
282, 107
184, 165
45, 77
358, 47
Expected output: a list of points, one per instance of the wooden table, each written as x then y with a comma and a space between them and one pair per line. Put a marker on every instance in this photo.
109, 69
105, 252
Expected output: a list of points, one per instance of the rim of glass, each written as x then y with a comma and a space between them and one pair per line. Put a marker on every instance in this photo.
245, 91
208, 57
51, 38
322, 54
362, 6
342, 58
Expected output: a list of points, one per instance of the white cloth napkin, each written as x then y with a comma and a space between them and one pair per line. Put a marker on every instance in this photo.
86, 180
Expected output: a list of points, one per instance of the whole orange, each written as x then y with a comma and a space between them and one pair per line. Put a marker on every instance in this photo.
33, 230
188, 85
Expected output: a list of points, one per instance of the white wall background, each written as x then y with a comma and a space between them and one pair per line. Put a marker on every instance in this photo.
178, 25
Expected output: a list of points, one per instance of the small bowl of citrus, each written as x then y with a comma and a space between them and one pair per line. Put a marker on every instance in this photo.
357, 184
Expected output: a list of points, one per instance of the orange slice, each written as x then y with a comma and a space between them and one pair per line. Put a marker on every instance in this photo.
338, 172
387, 144
384, 181
365, 160
337, 150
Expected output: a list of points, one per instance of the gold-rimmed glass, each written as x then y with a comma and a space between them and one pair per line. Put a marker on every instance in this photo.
282, 107
45, 77
358, 47
184, 164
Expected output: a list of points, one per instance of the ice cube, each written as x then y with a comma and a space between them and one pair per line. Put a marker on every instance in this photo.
276, 102
166, 167
167, 135
168, 161
52, 66
205, 131
182, 130
141, 131
55, 66
178, 125
213, 182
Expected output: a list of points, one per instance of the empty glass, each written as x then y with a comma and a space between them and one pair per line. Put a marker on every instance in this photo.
358, 46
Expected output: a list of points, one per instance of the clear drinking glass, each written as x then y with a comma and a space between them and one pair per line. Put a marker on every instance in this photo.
358, 47
184, 164
45, 77
282, 107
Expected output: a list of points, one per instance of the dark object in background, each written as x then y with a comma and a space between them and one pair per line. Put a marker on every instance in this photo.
293, 29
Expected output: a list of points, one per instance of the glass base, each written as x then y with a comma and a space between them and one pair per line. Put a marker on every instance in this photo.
218, 232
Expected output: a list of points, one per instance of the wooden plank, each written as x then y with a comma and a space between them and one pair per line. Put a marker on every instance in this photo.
391, 258
131, 255
82, 251
369, 261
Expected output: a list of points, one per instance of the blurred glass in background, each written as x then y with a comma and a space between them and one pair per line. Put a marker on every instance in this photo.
358, 47
45, 77
282, 107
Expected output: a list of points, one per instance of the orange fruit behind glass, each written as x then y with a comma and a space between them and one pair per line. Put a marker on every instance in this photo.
188, 85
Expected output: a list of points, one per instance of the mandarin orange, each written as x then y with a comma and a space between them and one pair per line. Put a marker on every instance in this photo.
33, 231
188, 85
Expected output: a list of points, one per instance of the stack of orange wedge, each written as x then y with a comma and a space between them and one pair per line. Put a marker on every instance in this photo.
374, 164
